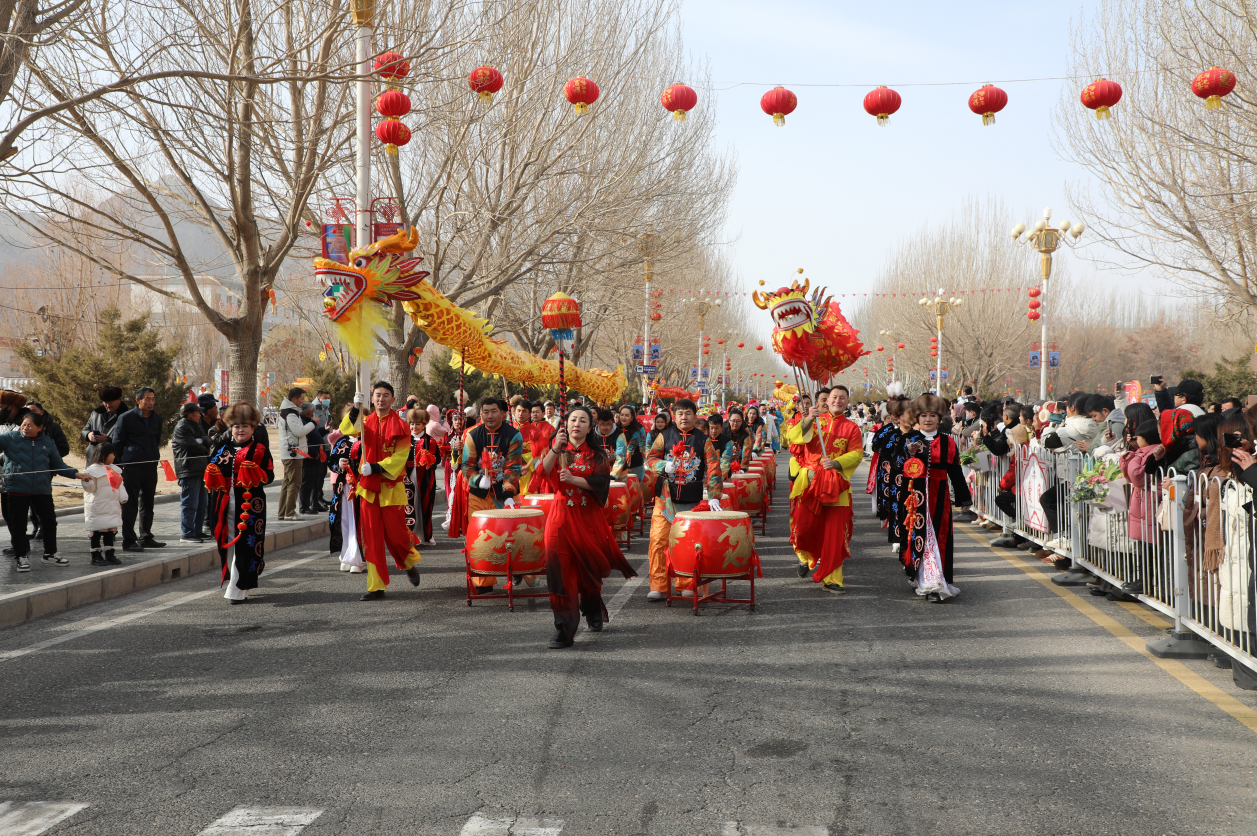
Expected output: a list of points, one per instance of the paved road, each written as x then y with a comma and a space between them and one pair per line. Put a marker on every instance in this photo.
1008, 711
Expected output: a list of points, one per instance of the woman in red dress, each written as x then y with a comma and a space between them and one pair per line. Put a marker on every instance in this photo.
580, 548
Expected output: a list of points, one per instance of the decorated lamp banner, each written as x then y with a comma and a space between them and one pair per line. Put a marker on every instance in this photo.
337, 242
563, 337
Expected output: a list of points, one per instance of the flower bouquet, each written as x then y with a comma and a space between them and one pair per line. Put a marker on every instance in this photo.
1092, 485
969, 456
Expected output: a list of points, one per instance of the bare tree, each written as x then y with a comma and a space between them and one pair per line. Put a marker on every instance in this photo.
201, 176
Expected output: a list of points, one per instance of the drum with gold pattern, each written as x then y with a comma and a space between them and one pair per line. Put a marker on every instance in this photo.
506, 541
748, 492
728, 493
537, 500
619, 509
712, 544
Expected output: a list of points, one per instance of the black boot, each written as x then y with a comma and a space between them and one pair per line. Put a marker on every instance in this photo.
560, 640
373, 596
111, 558
98, 559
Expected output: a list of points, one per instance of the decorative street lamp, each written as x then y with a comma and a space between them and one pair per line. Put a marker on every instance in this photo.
702, 307
888, 336
1046, 240
941, 307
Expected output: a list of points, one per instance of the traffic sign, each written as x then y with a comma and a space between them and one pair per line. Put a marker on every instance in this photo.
644, 369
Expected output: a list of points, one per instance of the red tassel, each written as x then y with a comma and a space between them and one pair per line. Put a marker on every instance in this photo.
170, 471
302, 453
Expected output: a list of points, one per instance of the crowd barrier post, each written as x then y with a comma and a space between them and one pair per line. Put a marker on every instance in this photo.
1182, 643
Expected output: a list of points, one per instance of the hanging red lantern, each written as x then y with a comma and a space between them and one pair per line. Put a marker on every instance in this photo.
900, 345
741, 345
759, 348
1032, 315
1034, 304
656, 316
1100, 95
881, 348
720, 342
679, 99
486, 81
390, 66
392, 104
1034, 292
393, 134
933, 353
881, 103
581, 92
560, 312
987, 101
706, 351
1212, 85
778, 103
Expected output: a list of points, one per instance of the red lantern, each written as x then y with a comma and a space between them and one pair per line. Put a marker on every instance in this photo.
1034, 304
656, 316
759, 348
1212, 85
679, 99
741, 345
393, 134
560, 312
720, 342
899, 346
1032, 315
391, 66
988, 101
706, 351
581, 92
778, 103
881, 103
1034, 292
486, 81
393, 103
881, 348
1100, 95
933, 353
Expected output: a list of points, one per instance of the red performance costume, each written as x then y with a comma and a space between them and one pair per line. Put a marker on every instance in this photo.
821, 516
382, 506
580, 547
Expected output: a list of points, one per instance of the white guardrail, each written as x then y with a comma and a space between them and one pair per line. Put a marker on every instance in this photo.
1190, 556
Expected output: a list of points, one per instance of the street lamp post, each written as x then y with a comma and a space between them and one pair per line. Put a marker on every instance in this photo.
363, 14
940, 307
1046, 240
647, 249
888, 337
702, 307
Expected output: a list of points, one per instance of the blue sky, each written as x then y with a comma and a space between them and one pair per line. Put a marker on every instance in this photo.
834, 193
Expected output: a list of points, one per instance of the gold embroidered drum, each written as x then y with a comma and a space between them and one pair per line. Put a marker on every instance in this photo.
506, 541
712, 544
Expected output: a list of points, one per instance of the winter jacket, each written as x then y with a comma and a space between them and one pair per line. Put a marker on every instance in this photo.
53, 430
138, 439
191, 446
1060, 439
30, 463
100, 421
102, 503
292, 431
322, 414
1141, 517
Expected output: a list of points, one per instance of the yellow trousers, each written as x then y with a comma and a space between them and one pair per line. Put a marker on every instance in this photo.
660, 530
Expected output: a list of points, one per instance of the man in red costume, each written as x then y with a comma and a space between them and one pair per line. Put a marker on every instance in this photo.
796, 450
383, 453
833, 448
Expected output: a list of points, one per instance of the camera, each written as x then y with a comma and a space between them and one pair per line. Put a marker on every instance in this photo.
1156, 379
1232, 440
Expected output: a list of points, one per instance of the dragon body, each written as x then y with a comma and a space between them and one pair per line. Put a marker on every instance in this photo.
383, 273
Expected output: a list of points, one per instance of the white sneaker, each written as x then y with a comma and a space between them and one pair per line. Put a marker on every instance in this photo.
344, 567
56, 560
357, 570
429, 542
445, 526
1054, 543
894, 547
655, 595
687, 593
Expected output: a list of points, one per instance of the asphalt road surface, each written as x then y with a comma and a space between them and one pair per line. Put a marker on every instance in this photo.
1015, 709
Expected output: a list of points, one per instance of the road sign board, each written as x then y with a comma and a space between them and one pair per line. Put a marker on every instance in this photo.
644, 369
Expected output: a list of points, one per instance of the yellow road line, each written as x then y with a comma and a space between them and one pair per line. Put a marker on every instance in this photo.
1144, 614
1174, 668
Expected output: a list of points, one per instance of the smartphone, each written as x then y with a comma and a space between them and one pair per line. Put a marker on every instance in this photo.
1232, 440
1155, 379
1060, 405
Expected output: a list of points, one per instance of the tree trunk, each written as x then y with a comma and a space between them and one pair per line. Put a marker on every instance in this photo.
243, 346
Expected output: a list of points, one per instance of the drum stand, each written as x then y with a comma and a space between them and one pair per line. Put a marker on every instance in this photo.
510, 595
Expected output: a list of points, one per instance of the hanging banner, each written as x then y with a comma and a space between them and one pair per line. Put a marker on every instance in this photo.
385, 213
222, 379
637, 350
1034, 481
337, 242
1054, 359
1036, 359
656, 351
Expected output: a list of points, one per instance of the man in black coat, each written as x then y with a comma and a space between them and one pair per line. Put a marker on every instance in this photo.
137, 436
100, 424
191, 448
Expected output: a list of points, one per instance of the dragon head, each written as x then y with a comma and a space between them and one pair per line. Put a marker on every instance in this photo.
376, 276
789, 307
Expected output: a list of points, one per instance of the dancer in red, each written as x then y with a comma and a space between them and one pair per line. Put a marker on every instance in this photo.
382, 506
580, 547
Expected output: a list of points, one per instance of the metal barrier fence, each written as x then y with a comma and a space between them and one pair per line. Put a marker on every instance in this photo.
1189, 552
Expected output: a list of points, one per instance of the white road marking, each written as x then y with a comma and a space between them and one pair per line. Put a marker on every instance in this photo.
733, 828
620, 598
482, 825
29, 818
123, 619
263, 821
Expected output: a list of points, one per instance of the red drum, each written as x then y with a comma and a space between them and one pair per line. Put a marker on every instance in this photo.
729, 491
759, 467
710, 546
619, 510
506, 542
537, 500
748, 488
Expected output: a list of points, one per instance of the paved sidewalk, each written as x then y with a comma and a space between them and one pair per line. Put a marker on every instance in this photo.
73, 542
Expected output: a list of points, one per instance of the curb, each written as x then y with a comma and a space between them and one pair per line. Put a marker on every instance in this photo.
50, 599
